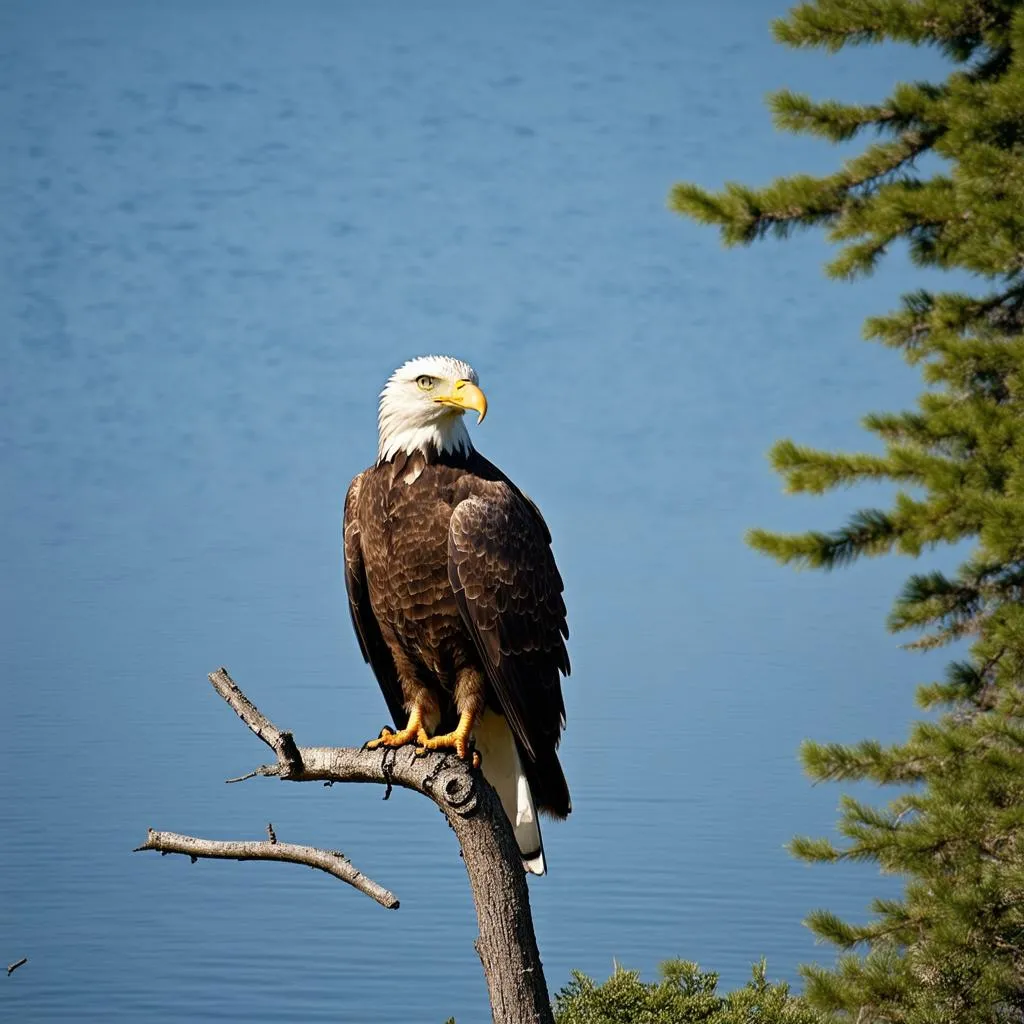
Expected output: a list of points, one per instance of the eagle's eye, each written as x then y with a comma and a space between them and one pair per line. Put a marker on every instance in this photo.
425, 382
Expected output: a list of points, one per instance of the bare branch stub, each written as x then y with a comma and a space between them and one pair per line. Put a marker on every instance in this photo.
281, 742
330, 861
11, 968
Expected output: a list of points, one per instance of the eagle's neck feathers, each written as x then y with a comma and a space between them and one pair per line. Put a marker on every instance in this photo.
446, 435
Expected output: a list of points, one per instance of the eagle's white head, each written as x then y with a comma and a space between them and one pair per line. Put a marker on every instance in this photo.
422, 406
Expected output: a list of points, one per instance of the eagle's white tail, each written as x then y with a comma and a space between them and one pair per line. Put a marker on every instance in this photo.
504, 771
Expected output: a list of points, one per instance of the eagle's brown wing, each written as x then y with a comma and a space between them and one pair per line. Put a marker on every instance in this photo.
371, 641
509, 593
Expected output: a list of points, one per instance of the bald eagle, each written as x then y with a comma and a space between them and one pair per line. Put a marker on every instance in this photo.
456, 599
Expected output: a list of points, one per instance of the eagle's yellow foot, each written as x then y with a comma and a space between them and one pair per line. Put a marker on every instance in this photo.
387, 738
459, 740
449, 741
412, 733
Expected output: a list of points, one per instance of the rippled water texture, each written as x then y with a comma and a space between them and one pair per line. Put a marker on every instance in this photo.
224, 224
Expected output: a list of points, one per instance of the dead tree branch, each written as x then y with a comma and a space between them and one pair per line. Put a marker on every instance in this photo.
507, 944
331, 861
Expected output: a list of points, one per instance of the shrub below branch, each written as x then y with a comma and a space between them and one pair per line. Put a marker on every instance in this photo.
684, 995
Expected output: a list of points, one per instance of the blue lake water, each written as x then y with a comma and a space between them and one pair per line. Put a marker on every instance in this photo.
224, 224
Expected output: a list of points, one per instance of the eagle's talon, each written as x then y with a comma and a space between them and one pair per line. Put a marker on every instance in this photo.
389, 739
457, 741
412, 733
373, 744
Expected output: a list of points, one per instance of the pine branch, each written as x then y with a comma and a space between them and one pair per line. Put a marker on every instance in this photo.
869, 759
811, 471
911, 108
869, 532
816, 851
745, 215
959, 29
835, 122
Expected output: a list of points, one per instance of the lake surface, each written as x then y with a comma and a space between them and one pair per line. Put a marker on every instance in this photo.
225, 224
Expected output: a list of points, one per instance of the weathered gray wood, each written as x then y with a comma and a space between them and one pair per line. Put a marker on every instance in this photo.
506, 944
331, 861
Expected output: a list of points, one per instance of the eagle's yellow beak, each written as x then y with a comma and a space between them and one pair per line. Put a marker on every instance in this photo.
466, 395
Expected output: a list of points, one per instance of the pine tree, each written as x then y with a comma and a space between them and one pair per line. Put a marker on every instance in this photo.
951, 950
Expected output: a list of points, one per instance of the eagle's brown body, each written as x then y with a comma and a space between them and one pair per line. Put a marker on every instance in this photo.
457, 602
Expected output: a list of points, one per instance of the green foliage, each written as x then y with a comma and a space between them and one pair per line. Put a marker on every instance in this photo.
684, 995
951, 950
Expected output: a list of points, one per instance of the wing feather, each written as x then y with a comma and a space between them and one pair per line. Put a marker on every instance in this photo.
509, 592
371, 641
